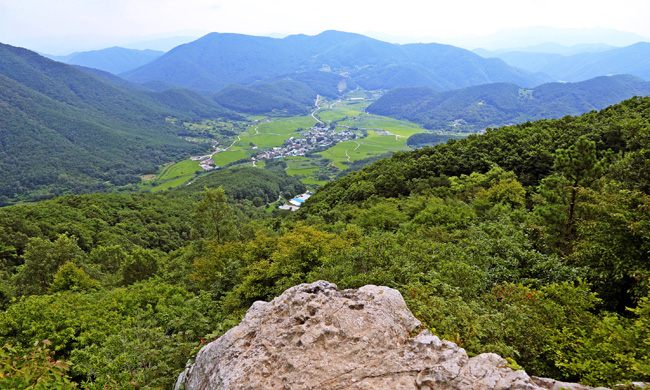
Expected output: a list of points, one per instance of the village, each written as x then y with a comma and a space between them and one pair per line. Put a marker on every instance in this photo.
316, 137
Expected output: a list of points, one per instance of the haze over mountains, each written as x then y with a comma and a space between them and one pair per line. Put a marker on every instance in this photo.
538, 35
633, 59
114, 59
216, 60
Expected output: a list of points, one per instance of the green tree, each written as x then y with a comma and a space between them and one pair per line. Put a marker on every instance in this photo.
213, 216
42, 260
140, 265
581, 167
613, 242
7, 254
72, 278
575, 168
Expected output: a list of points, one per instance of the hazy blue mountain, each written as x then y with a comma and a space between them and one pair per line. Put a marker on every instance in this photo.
531, 61
548, 48
114, 59
633, 59
537, 35
217, 60
63, 130
113, 79
492, 105
158, 86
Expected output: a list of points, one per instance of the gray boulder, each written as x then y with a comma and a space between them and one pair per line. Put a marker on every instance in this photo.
315, 336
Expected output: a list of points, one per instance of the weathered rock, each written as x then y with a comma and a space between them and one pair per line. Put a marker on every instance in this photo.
552, 384
315, 336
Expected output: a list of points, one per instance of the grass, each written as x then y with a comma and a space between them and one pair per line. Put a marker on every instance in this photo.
286, 125
172, 183
180, 169
264, 140
336, 114
305, 171
357, 94
225, 158
371, 146
314, 181
301, 166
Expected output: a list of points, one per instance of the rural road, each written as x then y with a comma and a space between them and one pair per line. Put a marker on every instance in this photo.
317, 108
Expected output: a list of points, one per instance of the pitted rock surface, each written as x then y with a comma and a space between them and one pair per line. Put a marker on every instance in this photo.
315, 336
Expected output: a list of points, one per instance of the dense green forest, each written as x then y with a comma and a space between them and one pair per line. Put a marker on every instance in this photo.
65, 131
492, 105
285, 97
530, 241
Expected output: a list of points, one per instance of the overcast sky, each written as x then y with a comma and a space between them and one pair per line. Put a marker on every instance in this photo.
42, 24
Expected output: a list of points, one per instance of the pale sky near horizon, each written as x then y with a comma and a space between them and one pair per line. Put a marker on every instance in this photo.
33, 23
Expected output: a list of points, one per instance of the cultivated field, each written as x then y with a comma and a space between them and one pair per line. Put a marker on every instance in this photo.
377, 135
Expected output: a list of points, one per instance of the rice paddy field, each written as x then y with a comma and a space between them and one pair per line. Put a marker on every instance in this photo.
372, 145
264, 133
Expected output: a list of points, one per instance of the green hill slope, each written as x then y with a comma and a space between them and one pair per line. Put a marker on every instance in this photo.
284, 97
494, 105
541, 258
526, 149
64, 130
249, 183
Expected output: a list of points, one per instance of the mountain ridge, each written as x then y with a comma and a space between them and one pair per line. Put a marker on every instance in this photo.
633, 59
220, 59
90, 132
113, 59
493, 105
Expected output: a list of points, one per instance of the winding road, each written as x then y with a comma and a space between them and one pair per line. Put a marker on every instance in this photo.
313, 114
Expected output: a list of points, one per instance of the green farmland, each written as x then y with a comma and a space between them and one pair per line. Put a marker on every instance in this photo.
377, 135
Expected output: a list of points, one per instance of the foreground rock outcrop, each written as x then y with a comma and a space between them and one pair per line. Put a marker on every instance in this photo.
315, 336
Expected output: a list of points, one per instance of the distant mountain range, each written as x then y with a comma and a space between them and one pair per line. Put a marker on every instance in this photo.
633, 59
217, 60
115, 60
494, 105
540, 35
549, 48
64, 130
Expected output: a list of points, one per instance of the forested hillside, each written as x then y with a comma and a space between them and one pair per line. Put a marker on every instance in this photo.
217, 60
530, 241
284, 97
493, 105
63, 130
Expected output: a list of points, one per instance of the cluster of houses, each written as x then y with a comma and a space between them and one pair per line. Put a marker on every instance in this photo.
295, 203
317, 136
206, 162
